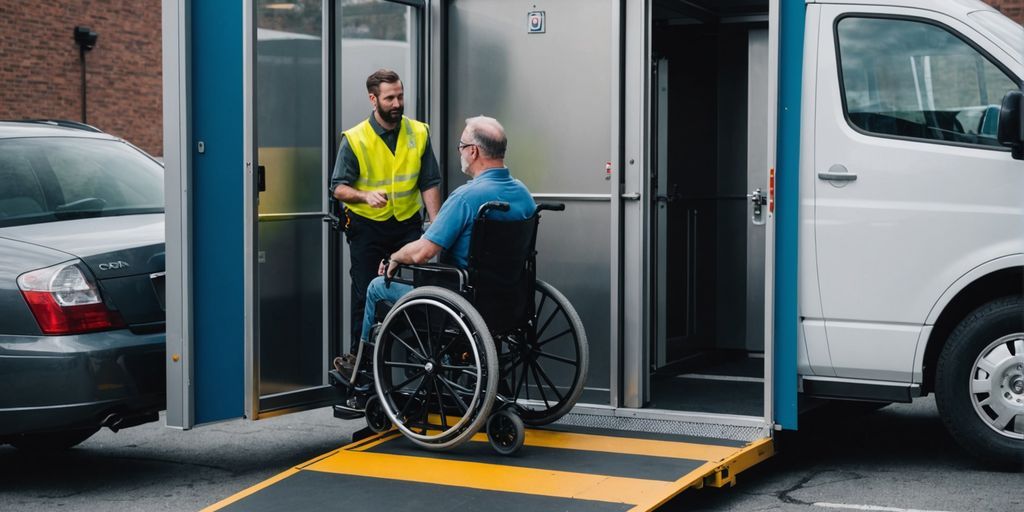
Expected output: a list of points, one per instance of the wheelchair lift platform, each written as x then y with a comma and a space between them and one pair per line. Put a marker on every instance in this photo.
559, 468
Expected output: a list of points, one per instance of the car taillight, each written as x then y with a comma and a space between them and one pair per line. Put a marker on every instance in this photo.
65, 301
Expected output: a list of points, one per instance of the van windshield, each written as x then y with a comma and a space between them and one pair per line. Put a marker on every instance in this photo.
47, 179
1009, 33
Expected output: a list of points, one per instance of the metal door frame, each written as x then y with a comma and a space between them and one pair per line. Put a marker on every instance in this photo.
629, 220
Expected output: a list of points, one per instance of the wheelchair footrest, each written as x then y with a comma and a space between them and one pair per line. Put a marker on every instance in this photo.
347, 413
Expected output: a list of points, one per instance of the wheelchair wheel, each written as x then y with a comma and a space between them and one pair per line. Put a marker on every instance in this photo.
376, 418
435, 368
544, 367
506, 432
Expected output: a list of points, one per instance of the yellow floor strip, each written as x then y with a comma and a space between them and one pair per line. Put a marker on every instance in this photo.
613, 444
252, 490
624, 445
494, 477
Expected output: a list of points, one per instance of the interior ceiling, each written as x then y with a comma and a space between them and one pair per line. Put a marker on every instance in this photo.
706, 10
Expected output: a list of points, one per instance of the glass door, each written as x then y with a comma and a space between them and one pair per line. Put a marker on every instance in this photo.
290, 350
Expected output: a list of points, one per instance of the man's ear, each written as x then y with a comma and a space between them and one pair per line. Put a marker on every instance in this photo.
373, 99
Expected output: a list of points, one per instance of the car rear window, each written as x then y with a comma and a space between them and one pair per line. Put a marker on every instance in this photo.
46, 179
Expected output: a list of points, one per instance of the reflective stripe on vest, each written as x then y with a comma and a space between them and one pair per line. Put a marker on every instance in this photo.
394, 174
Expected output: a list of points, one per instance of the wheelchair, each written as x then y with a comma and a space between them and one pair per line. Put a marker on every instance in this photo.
486, 347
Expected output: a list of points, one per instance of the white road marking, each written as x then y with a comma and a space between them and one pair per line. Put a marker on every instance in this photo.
870, 507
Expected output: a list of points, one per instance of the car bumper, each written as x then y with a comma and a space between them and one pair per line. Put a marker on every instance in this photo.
61, 382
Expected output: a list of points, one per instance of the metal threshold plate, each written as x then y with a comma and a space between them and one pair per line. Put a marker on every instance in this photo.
559, 468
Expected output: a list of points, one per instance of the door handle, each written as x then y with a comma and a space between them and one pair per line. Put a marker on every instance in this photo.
837, 173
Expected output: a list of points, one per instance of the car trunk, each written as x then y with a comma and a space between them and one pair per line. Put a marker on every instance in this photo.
124, 253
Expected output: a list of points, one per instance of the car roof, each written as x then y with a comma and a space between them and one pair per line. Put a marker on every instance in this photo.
45, 128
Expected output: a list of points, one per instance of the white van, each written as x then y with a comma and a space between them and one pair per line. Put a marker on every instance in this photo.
912, 214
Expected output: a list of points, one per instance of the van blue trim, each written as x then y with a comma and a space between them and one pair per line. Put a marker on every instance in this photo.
218, 345
787, 198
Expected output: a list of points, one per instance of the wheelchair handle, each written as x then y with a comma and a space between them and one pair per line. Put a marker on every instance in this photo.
501, 206
555, 207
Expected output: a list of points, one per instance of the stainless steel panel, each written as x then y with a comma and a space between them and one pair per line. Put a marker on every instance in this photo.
551, 91
757, 177
559, 127
572, 252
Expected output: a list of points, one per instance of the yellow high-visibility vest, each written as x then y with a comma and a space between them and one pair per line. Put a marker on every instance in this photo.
395, 174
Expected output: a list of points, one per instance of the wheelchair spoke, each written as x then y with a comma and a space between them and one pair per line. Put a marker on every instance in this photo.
553, 338
458, 386
412, 398
426, 314
419, 356
414, 331
557, 357
399, 364
540, 386
458, 399
548, 380
440, 403
536, 312
406, 381
548, 322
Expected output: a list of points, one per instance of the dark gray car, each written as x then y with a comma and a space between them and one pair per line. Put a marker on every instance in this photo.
81, 284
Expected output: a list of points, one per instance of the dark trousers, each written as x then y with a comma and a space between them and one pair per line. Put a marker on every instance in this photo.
369, 242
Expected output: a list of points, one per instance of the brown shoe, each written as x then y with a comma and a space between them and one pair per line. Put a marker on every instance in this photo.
345, 365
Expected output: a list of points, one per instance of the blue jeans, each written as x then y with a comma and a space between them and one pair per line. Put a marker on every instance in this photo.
377, 292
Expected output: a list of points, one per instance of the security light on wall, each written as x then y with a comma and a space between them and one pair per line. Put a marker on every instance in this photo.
86, 40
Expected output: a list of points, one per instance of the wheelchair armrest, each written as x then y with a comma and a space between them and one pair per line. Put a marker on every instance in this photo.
434, 274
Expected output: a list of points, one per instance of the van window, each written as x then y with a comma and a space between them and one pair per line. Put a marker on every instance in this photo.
915, 79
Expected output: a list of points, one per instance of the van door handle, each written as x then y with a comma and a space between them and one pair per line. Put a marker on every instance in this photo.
837, 173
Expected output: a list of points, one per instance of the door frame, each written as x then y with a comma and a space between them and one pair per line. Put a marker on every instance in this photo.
631, 215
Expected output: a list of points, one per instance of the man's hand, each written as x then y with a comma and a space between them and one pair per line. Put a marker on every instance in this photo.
375, 199
387, 266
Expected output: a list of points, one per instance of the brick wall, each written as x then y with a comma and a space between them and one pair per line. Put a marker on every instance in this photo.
1012, 8
40, 74
40, 70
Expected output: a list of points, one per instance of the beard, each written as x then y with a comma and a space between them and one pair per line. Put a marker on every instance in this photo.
392, 116
465, 165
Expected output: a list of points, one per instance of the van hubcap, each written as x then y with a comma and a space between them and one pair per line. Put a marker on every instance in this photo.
997, 386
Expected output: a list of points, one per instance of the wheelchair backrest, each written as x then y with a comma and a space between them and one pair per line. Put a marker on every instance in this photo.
502, 261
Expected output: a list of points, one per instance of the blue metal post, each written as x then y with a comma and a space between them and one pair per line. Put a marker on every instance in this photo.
791, 42
217, 210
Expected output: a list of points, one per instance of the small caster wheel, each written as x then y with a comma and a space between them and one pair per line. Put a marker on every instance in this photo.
506, 432
376, 418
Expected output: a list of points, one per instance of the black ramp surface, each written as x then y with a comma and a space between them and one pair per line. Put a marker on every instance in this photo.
317, 491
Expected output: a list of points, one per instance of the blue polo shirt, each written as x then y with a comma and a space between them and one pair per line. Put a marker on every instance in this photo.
454, 224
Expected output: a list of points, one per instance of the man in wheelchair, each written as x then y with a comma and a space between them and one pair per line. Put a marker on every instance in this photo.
482, 155
462, 341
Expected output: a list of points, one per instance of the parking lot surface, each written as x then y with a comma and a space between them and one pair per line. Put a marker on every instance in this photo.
895, 459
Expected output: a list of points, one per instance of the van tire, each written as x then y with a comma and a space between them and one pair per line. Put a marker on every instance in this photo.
994, 330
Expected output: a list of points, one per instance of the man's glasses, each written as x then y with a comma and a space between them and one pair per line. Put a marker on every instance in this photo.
463, 145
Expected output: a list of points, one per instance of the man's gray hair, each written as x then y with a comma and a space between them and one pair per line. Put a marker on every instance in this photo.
488, 135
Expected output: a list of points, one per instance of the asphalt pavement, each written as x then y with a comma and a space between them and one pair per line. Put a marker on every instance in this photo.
895, 459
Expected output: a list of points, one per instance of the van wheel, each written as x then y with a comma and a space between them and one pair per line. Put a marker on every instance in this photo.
979, 384
52, 441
